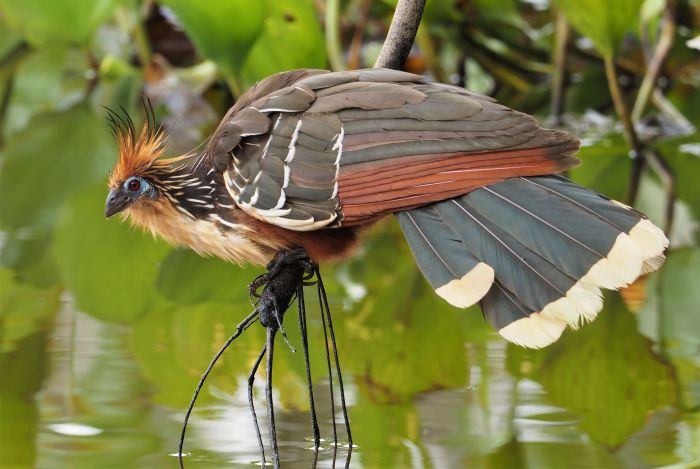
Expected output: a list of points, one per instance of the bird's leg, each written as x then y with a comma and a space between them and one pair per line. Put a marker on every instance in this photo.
305, 346
251, 380
278, 318
325, 311
252, 317
330, 373
270, 344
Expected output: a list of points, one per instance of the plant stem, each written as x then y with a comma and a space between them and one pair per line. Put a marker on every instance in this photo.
628, 129
401, 34
333, 49
563, 34
668, 32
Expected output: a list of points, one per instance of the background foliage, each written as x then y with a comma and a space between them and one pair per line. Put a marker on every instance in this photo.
104, 331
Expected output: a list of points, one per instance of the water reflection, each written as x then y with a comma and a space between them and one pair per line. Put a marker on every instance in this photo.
427, 386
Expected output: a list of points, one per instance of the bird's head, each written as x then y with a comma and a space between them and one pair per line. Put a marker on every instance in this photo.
136, 180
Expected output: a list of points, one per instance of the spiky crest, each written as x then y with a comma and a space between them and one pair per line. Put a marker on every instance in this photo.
139, 152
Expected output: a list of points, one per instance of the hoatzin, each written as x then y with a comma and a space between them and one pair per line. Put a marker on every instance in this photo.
310, 158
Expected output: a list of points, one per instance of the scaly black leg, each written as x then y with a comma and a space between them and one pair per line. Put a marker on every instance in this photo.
330, 372
270, 345
305, 345
251, 404
239, 330
324, 307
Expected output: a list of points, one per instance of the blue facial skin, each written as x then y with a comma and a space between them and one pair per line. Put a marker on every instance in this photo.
132, 189
136, 187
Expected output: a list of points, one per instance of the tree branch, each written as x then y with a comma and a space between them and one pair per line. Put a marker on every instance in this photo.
402, 32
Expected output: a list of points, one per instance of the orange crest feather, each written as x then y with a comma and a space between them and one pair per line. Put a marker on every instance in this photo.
138, 153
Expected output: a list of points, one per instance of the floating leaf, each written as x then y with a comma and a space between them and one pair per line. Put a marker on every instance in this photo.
107, 265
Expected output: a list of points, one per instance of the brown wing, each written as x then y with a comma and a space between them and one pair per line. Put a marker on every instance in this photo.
307, 150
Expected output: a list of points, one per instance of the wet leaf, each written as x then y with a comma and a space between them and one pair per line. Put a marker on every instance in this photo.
67, 21
222, 30
56, 156
108, 266
605, 22
607, 374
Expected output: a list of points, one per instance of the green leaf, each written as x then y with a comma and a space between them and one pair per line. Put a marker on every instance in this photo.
54, 157
291, 39
680, 298
222, 30
108, 266
605, 22
605, 167
47, 80
67, 21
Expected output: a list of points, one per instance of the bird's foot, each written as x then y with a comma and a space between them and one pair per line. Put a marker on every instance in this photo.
296, 256
287, 271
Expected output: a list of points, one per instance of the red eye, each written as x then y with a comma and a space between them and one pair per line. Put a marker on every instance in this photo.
134, 185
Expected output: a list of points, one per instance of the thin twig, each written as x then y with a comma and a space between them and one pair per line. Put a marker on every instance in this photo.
402, 32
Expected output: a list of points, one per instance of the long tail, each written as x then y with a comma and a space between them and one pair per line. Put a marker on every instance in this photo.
535, 251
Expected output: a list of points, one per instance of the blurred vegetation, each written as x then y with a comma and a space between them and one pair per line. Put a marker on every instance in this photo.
623, 75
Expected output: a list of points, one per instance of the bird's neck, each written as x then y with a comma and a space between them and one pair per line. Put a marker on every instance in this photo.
193, 209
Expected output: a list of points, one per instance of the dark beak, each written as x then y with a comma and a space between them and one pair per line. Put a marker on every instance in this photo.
116, 202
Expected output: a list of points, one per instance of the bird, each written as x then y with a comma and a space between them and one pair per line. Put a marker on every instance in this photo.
310, 159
